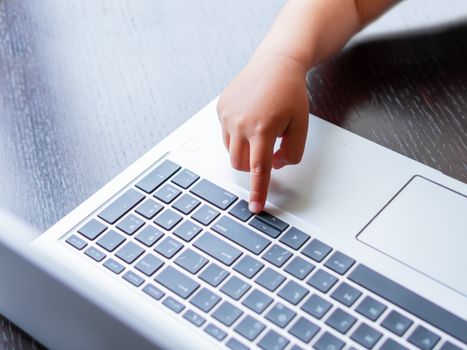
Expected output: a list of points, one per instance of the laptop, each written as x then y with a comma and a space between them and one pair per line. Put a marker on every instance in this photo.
358, 248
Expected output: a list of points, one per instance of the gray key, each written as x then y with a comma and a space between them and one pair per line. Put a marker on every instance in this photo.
130, 224
390, 344
257, 301
240, 211
217, 248
370, 308
95, 254
227, 313
316, 250
280, 315
149, 208
299, 267
186, 204
293, 292
294, 238
446, 346
273, 341
158, 176
304, 330
249, 328
265, 228
168, 247
205, 215
194, 318
205, 300
396, 323
316, 306
173, 305
92, 229
187, 230
185, 178
235, 288
114, 266
270, 279
273, 221
248, 266
366, 336
191, 261
133, 278
339, 262
234, 344
346, 294
213, 194
327, 341
341, 321
149, 235
110, 240
168, 219
129, 252
277, 255
76, 242
153, 292
423, 338
241, 235
322, 281
215, 332
177, 282
167, 193
214, 275
121, 206
149, 264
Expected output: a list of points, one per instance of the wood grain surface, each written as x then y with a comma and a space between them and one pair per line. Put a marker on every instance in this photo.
86, 87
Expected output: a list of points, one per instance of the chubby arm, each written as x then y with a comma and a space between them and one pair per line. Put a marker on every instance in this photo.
268, 99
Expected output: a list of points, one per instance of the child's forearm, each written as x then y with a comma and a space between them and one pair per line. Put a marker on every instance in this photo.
309, 31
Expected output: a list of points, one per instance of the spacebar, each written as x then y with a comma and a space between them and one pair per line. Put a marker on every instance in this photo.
410, 301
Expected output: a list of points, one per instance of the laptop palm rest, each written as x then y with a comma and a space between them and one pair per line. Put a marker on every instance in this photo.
424, 226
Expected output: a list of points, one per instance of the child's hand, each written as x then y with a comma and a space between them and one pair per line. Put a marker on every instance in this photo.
267, 100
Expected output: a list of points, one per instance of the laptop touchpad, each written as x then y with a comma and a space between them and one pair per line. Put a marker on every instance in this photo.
424, 227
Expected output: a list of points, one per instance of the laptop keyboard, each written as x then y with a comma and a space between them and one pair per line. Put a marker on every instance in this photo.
252, 280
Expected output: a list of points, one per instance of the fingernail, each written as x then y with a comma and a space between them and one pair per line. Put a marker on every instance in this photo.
254, 207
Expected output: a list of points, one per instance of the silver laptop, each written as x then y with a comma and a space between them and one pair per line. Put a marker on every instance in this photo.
359, 247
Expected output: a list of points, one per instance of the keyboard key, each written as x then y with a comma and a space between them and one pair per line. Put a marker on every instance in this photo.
185, 178
346, 294
366, 336
316, 250
370, 308
265, 228
215, 332
280, 315
304, 330
327, 341
240, 211
339, 262
191, 261
186, 204
95, 254
158, 176
217, 248
296, 347
76, 242
294, 238
114, 266
167, 193
299, 267
448, 346
234, 344
194, 318
205, 300
130, 224
214, 275
273, 341
173, 305
110, 240
227, 313
241, 235
423, 338
316, 306
248, 266
149, 235
153, 292
235, 288
214, 194
121, 206
322, 281
149, 208
271, 220
293, 292
257, 301
187, 230
149, 264
133, 278
277, 255
168, 247
177, 282
129, 252
390, 344
205, 215
341, 321
396, 323
168, 219
249, 328
270, 279
92, 229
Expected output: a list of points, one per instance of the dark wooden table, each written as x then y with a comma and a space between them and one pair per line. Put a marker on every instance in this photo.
86, 87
